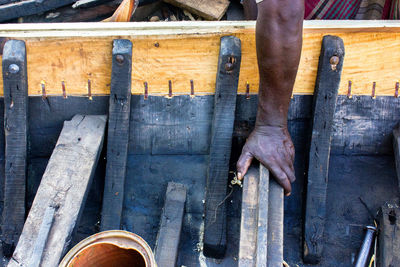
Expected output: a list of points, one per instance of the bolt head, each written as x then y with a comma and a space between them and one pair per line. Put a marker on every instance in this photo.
334, 60
229, 66
120, 59
13, 68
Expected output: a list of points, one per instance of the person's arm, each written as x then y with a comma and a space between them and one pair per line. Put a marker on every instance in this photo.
279, 40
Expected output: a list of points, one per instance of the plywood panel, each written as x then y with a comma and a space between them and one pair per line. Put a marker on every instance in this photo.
181, 52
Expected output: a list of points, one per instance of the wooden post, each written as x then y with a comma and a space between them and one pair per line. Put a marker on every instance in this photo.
15, 86
169, 234
65, 185
389, 235
220, 147
249, 220
275, 224
325, 96
118, 134
396, 150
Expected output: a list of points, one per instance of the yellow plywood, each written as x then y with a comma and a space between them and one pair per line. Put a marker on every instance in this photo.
183, 52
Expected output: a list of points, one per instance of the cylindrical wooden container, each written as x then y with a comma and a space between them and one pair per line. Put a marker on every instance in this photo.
110, 248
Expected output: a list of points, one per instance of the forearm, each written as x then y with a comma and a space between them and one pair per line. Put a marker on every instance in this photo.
279, 40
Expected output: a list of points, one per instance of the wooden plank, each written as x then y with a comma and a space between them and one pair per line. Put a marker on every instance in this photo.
208, 9
30, 7
326, 91
275, 224
118, 135
249, 220
220, 147
76, 53
264, 216
65, 184
169, 233
396, 150
16, 141
389, 235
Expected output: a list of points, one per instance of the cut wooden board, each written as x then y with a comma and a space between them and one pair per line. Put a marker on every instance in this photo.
185, 51
65, 185
208, 9
169, 233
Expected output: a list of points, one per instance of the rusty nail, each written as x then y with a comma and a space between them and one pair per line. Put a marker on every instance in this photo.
157, 44
170, 88
229, 66
13, 68
191, 88
247, 90
63, 89
396, 93
89, 87
349, 90
334, 60
120, 59
373, 90
146, 90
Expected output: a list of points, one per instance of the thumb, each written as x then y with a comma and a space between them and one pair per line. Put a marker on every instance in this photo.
243, 163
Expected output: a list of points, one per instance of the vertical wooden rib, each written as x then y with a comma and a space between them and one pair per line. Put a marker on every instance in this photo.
326, 91
16, 138
118, 134
220, 147
263, 217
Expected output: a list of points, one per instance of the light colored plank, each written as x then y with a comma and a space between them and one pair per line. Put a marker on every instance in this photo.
184, 51
249, 220
65, 184
263, 217
208, 9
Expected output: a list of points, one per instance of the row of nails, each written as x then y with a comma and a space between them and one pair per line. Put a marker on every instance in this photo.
373, 91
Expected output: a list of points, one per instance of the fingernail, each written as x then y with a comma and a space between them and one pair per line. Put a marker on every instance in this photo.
288, 194
239, 175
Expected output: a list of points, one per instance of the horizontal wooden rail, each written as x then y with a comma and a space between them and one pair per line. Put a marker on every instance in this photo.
178, 58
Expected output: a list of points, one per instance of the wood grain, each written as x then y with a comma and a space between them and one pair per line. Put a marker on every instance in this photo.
326, 92
215, 231
208, 9
169, 234
16, 142
118, 135
65, 185
180, 52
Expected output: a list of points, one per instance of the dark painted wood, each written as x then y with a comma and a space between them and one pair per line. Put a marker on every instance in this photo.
169, 233
275, 223
220, 147
30, 7
118, 134
389, 235
15, 86
396, 151
325, 96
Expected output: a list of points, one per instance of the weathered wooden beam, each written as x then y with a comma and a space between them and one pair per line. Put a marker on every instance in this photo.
275, 223
261, 231
389, 235
30, 7
264, 216
220, 146
169, 233
208, 9
249, 220
118, 134
396, 151
65, 185
16, 139
326, 91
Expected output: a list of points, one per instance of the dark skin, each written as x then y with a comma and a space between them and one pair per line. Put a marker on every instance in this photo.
279, 40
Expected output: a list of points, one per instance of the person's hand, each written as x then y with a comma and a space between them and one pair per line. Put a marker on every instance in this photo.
273, 147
